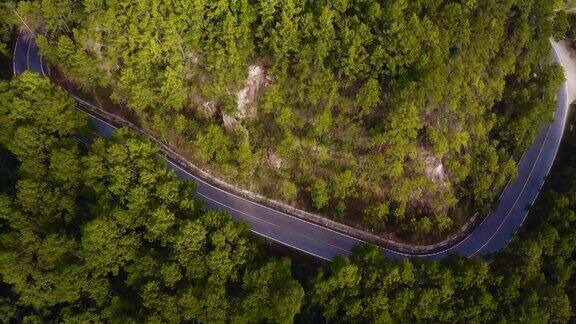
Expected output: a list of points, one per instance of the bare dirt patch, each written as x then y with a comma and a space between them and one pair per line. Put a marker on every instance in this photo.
434, 168
257, 80
273, 159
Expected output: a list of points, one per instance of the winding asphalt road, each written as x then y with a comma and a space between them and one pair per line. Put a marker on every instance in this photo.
491, 235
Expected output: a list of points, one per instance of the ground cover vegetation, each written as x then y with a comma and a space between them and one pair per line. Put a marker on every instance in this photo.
105, 233
400, 117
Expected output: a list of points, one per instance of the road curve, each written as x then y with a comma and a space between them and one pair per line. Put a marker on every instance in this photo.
490, 236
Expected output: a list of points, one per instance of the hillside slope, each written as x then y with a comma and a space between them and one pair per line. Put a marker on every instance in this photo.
397, 117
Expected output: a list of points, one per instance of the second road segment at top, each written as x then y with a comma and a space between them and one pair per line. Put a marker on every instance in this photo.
490, 236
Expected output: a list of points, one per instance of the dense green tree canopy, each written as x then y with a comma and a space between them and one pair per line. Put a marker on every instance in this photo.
427, 103
105, 232
531, 281
108, 233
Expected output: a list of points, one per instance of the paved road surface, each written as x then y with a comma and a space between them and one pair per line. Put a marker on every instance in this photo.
491, 235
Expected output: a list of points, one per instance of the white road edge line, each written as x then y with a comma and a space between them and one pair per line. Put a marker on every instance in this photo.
343, 234
294, 217
255, 203
280, 212
566, 104
222, 204
518, 197
290, 245
14, 55
41, 63
236, 210
252, 230
265, 221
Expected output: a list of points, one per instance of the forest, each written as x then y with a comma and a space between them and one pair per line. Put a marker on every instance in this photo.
95, 230
108, 233
398, 117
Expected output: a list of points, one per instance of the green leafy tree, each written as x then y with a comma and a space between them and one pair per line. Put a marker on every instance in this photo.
370, 87
377, 214
246, 158
271, 294
93, 227
34, 113
561, 25
368, 97
319, 193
